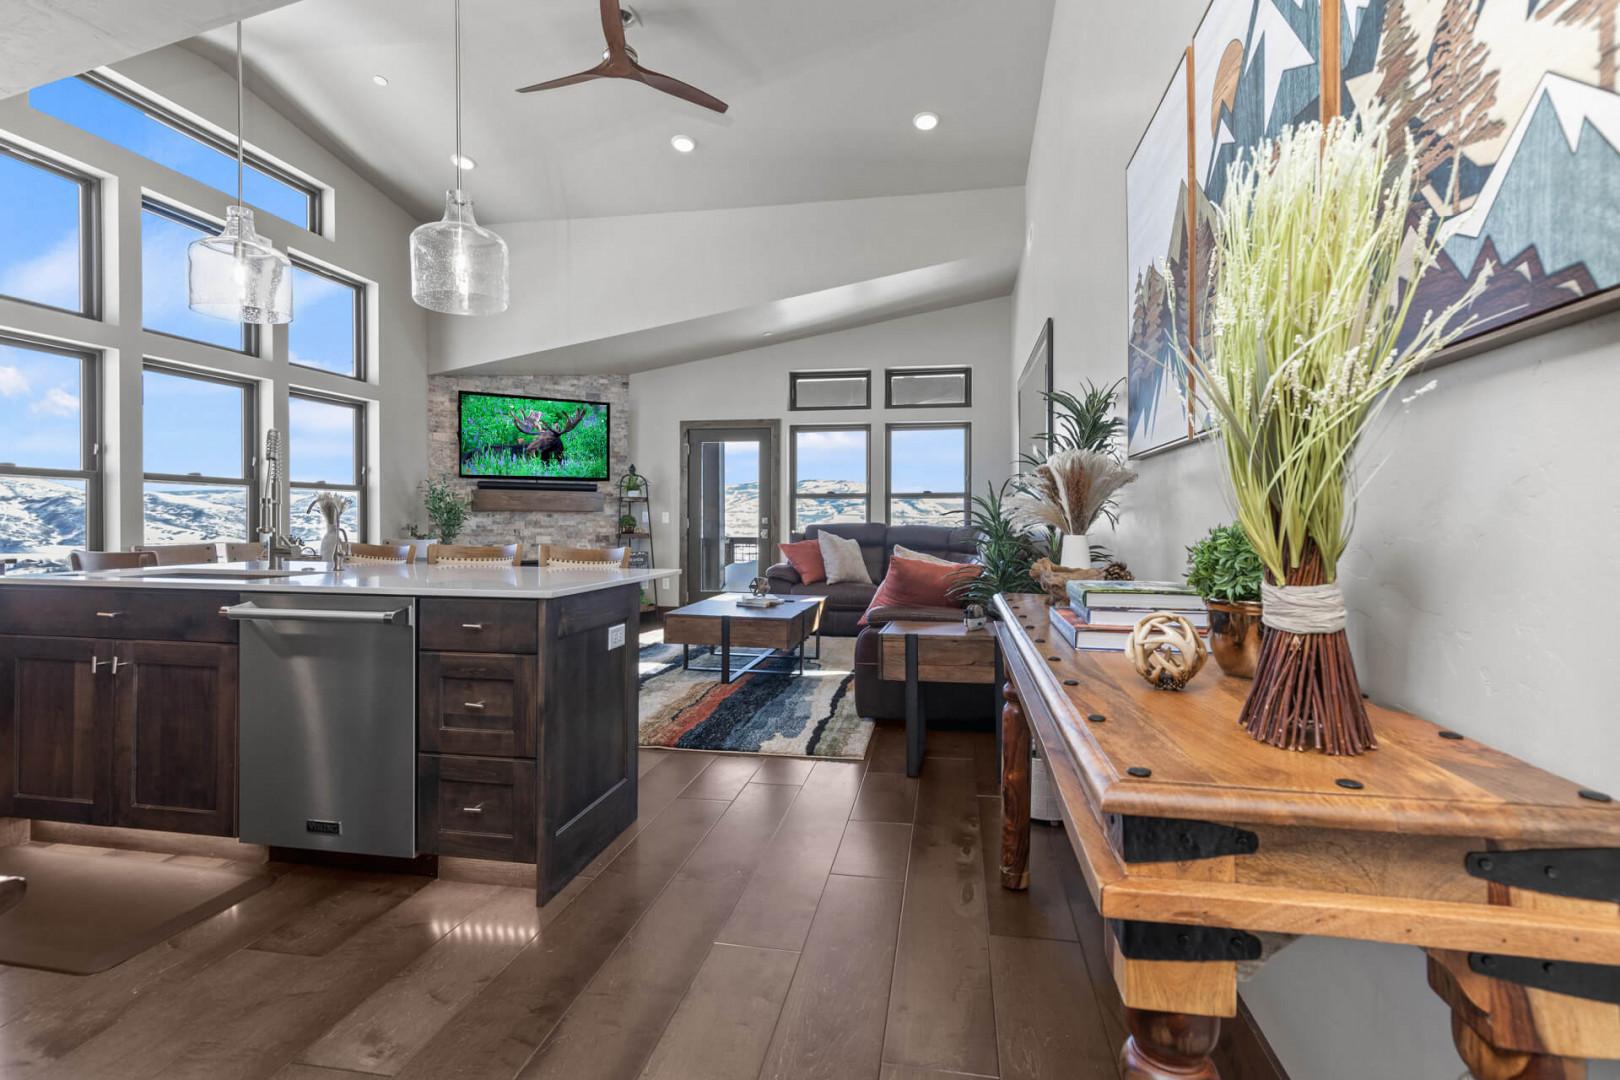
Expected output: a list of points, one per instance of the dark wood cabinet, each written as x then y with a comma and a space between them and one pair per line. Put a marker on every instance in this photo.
111, 732
54, 737
174, 737
482, 808
476, 703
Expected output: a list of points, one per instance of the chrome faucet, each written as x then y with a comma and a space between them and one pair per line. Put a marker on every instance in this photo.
277, 546
340, 552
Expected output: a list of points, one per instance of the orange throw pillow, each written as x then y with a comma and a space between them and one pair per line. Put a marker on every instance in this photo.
914, 583
805, 555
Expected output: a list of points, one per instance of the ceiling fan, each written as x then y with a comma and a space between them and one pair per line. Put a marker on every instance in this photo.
620, 62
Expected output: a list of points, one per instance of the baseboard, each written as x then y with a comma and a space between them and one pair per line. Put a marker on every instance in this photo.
421, 865
486, 872
13, 830
171, 843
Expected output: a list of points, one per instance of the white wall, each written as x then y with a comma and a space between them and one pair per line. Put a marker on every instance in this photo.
753, 385
1480, 552
367, 239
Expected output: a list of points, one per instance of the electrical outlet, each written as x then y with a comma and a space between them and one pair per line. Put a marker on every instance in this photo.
663, 517
616, 637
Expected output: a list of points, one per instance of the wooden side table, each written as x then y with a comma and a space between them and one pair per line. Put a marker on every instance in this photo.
1195, 840
936, 652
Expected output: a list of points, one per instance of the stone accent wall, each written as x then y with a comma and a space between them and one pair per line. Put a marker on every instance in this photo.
575, 529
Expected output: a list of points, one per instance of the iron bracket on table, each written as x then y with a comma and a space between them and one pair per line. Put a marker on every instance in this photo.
1595, 982
1582, 873
1154, 839
1173, 941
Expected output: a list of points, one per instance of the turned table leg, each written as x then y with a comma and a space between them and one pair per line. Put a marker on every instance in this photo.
1014, 791
1169, 1046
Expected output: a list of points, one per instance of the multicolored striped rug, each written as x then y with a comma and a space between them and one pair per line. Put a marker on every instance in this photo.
809, 715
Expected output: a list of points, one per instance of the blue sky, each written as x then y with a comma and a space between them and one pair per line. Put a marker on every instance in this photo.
39, 235
39, 409
831, 455
926, 459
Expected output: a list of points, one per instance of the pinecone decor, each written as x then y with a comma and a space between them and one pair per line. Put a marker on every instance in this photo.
1117, 571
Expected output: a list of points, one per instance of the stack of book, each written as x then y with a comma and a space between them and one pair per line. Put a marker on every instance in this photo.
1100, 613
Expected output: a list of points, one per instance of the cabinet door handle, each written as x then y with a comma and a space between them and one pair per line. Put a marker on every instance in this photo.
472, 626
108, 614
478, 809
479, 705
118, 663
96, 664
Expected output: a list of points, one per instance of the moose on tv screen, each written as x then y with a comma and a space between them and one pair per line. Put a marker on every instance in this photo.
528, 437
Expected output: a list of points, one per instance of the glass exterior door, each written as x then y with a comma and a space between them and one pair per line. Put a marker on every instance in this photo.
731, 496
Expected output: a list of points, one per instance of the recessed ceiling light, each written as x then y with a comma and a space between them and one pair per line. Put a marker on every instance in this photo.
463, 161
380, 80
683, 143
925, 121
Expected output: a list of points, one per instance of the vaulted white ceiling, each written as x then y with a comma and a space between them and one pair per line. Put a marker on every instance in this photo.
822, 93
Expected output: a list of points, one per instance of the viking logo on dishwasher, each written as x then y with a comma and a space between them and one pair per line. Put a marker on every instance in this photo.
316, 825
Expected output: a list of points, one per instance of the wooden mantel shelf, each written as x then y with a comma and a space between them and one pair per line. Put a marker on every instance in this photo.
1379, 857
576, 502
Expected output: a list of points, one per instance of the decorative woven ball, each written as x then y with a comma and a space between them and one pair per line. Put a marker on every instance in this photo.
1166, 650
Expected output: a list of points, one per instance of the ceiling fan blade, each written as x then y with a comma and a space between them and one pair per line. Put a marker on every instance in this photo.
685, 91
566, 80
613, 27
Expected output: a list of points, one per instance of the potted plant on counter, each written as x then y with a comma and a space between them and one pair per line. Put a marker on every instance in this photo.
446, 508
1224, 569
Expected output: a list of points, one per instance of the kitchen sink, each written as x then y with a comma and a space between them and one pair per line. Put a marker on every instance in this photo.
224, 573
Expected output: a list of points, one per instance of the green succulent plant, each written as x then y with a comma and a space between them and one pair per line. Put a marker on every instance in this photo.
1006, 553
1224, 566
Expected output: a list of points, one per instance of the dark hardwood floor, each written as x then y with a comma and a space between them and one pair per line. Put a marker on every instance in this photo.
764, 917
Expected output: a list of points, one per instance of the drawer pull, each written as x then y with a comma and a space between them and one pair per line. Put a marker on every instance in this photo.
96, 664
472, 626
479, 809
472, 705
117, 663
108, 614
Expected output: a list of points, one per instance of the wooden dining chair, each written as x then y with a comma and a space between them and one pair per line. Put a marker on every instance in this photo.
556, 555
243, 551
381, 553
111, 560
182, 554
475, 555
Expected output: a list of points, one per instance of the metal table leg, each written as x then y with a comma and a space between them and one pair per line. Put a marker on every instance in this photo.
916, 722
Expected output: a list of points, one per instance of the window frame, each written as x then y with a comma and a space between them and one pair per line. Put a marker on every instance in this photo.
362, 467
312, 191
890, 494
252, 339
90, 247
793, 470
794, 377
250, 437
360, 331
90, 445
964, 370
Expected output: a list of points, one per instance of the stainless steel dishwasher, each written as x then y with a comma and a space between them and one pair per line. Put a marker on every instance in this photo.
328, 722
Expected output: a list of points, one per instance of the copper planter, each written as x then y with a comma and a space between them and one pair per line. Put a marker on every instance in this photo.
1234, 636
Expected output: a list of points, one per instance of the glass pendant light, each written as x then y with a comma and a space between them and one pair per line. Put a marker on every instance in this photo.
237, 275
458, 267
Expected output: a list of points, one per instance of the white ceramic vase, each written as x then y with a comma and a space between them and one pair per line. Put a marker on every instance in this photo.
1075, 554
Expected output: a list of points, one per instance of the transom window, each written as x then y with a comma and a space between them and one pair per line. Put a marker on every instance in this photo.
328, 333
928, 388
49, 467
198, 435
812, 390
326, 452
928, 474
47, 233
142, 127
165, 304
832, 470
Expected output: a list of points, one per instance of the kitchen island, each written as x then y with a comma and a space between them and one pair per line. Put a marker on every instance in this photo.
386, 709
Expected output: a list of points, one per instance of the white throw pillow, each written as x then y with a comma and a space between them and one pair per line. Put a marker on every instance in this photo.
903, 552
843, 559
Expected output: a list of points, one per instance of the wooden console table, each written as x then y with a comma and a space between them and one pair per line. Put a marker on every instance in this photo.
1201, 845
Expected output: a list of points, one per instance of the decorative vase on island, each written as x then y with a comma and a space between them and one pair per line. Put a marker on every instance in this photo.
1234, 636
1075, 552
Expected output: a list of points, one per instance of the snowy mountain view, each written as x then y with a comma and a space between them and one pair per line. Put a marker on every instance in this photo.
742, 507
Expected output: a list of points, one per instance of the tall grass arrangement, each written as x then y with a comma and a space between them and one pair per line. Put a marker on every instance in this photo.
1315, 271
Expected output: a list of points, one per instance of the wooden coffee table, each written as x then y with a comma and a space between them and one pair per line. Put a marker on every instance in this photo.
944, 652
777, 633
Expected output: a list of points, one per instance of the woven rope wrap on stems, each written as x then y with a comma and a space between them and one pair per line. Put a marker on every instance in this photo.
1302, 609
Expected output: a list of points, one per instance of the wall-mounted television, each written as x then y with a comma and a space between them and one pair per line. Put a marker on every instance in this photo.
511, 437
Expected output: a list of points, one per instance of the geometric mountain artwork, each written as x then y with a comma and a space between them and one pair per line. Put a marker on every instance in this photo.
1513, 107
1157, 255
1515, 119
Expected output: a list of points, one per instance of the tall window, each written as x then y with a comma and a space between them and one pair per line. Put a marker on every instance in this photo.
326, 452
928, 474
142, 127
328, 333
165, 305
47, 234
832, 472
198, 437
49, 490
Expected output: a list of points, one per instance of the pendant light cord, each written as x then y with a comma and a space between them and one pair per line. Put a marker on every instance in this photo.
239, 136
457, 162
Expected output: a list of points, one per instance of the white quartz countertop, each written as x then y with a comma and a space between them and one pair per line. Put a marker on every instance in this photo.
380, 579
